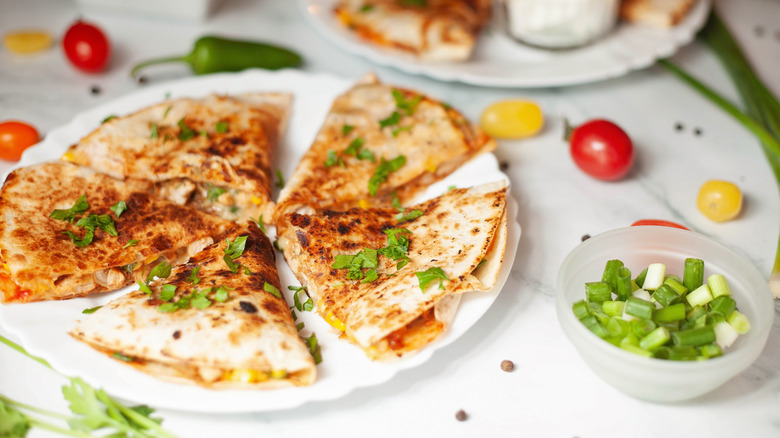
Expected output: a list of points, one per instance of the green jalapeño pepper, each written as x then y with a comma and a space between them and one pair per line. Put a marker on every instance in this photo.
213, 54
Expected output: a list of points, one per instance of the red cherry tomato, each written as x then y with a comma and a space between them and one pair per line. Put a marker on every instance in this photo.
601, 149
659, 222
86, 47
15, 137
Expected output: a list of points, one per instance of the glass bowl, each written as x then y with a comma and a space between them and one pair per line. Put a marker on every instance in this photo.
656, 379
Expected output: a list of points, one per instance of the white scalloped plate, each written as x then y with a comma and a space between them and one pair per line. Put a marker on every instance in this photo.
498, 61
42, 327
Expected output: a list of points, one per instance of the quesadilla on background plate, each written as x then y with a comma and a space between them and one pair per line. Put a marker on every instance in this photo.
432, 30
212, 322
69, 231
391, 280
379, 146
213, 153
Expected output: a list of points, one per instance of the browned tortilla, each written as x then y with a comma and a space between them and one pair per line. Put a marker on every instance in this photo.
42, 263
391, 316
248, 341
222, 167
435, 140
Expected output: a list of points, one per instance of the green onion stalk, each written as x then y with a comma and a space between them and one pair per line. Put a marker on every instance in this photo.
762, 109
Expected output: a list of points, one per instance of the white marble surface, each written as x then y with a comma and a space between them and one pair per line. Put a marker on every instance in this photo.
551, 392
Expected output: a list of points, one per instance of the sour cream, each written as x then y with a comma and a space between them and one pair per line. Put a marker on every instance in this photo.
559, 24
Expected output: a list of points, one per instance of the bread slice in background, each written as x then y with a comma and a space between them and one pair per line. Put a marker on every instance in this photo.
658, 13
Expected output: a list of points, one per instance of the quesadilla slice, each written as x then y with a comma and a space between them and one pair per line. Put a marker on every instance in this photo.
69, 231
213, 154
210, 322
378, 146
431, 30
391, 280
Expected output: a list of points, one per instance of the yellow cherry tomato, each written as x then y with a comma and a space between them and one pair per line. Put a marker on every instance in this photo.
28, 41
512, 119
720, 201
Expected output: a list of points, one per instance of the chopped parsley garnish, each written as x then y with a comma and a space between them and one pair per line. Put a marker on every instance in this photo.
90, 310
112, 116
418, 3
431, 274
214, 193
221, 127
233, 251
271, 289
314, 348
119, 208
404, 104
371, 275
393, 119
167, 292
279, 179
161, 270
186, 132
154, 133
407, 216
143, 287
356, 149
396, 202
450, 188
132, 242
400, 129
69, 215
346, 129
165, 113
397, 246
102, 221
81, 242
383, 171
334, 159
366, 8
221, 294
355, 263
307, 305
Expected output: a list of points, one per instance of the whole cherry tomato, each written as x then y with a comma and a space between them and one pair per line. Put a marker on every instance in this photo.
86, 47
660, 223
601, 149
15, 137
720, 201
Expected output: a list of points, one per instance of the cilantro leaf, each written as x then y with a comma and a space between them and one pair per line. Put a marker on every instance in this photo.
346, 129
396, 202
233, 266
333, 159
407, 216
161, 270
429, 275
354, 146
69, 214
200, 300
400, 129
167, 307
404, 104
88, 311
371, 275
382, 172
260, 223
221, 127
193, 277
236, 248
366, 7
154, 133
214, 193
221, 295
271, 289
185, 132
143, 287
132, 242
13, 422
111, 117
80, 242
119, 208
392, 119
122, 357
168, 292
279, 179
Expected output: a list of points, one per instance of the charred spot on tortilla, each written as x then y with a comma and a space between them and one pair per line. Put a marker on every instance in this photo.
247, 307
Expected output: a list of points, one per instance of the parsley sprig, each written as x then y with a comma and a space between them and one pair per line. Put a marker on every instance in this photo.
93, 411
383, 171
431, 274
